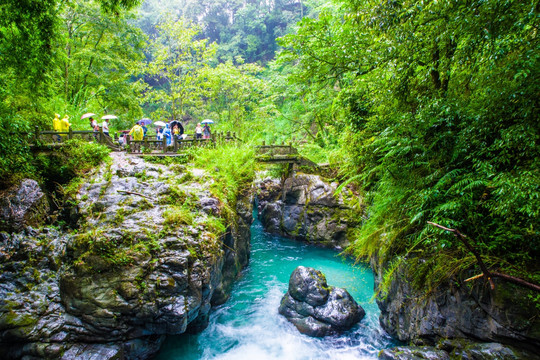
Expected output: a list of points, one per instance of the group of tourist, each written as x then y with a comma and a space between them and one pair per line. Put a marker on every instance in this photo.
61, 126
95, 126
172, 130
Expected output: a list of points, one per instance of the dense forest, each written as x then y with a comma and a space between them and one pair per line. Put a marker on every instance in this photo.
430, 108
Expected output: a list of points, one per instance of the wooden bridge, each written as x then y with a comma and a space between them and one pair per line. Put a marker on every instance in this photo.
150, 145
49, 141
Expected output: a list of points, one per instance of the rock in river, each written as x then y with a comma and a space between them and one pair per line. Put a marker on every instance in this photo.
317, 309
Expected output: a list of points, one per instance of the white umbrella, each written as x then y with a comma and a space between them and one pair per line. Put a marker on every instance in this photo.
207, 121
87, 115
109, 117
159, 123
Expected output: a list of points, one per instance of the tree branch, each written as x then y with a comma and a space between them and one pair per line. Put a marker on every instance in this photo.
463, 239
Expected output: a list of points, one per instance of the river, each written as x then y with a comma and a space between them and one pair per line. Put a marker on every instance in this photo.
248, 325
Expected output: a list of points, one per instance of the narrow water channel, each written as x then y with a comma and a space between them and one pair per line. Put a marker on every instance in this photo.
248, 326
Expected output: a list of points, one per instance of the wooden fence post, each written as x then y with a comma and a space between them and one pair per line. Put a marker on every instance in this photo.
70, 135
164, 144
128, 142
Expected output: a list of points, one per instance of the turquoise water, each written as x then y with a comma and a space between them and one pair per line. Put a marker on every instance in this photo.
248, 326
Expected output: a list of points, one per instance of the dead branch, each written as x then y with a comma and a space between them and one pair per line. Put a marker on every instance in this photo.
134, 193
463, 239
508, 278
474, 278
486, 272
517, 281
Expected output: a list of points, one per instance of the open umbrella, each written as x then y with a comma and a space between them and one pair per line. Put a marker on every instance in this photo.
87, 115
159, 123
105, 117
176, 122
207, 121
145, 121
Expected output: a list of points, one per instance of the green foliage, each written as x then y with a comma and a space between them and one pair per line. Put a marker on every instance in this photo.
432, 111
74, 159
178, 215
15, 159
177, 56
95, 251
232, 168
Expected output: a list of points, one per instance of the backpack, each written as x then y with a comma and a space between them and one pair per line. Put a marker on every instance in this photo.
138, 131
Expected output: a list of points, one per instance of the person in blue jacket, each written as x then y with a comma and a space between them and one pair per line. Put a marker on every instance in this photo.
167, 134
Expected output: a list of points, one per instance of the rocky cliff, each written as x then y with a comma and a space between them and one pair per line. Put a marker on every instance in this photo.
151, 252
459, 320
306, 207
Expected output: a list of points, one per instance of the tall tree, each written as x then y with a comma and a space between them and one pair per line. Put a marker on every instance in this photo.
176, 59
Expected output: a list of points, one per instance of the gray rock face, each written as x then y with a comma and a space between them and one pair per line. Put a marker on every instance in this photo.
150, 259
462, 350
459, 311
23, 205
317, 309
305, 207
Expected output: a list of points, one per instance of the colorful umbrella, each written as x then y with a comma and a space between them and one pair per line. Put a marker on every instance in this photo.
207, 121
145, 121
87, 115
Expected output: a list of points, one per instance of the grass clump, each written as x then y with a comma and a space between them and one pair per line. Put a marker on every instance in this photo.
178, 215
233, 169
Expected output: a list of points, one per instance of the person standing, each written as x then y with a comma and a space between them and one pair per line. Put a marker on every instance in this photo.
198, 131
93, 124
137, 134
145, 129
105, 127
167, 134
176, 132
56, 127
206, 131
64, 126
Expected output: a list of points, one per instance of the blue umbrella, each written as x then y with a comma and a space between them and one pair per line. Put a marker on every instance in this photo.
145, 121
207, 121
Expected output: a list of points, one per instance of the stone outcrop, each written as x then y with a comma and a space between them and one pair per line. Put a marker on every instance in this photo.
150, 257
457, 310
23, 205
305, 207
462, 350
317, 309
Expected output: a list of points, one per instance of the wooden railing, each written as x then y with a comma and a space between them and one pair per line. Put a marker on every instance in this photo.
151, 145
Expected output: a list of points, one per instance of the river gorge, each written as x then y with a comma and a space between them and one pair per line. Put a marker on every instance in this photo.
155, 266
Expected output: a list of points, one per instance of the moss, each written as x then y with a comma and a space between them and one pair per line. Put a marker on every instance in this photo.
13, 319
188, 176
145, 204
177, 215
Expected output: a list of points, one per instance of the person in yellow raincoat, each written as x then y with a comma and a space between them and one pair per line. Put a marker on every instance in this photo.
64, 126
137, 134
56, 127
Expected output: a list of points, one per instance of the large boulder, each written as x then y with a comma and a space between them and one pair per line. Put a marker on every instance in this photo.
308, 208
23, 205
317, 309
150, 257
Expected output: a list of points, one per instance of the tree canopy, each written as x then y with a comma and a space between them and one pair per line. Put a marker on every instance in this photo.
428, 107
